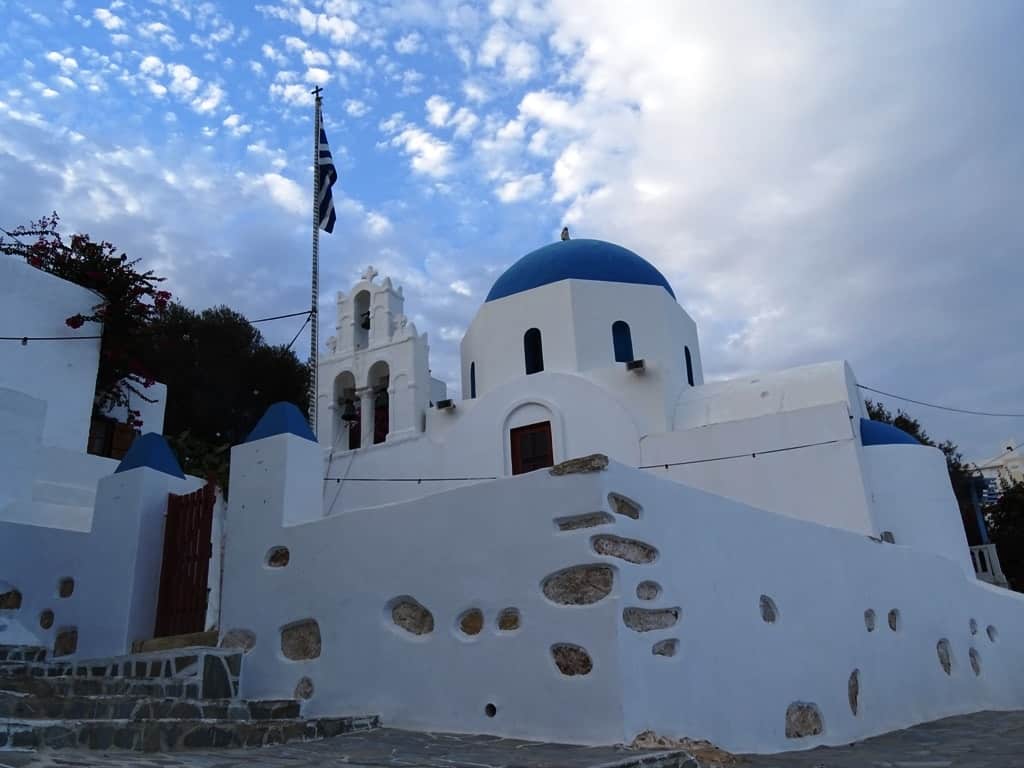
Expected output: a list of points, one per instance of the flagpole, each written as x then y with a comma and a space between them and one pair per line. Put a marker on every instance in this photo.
314, 319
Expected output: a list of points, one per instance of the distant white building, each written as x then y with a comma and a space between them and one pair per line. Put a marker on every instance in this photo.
1007, 466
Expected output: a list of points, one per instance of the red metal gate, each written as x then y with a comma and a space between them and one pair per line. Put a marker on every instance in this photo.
186, 565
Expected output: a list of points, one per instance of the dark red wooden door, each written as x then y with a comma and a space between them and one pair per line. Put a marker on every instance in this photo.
531, 447
186, 566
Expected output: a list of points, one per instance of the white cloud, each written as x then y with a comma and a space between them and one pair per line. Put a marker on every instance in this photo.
67, 64
210, 99
152, 66
521, 188
234, 124
462, 288
156, 89
346, 60
428, 155
293, 94
271, 53
295, 44
282, 191
356, 108
519, 59
49, 93
317, 76
438, 111
107, 19
377, 224
276, 157
475, 92
464, 122
257, 68
183, 82
411, 43
120, 39
314, 58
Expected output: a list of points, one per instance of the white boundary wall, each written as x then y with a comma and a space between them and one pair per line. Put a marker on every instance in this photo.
491, 545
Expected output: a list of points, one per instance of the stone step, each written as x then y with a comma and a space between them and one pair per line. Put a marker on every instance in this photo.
29, 706
166, 735
22, 653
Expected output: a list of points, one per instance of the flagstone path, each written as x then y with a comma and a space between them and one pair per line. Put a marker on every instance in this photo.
981, 740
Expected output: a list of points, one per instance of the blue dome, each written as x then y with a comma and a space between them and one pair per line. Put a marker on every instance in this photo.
880, 433
577, 260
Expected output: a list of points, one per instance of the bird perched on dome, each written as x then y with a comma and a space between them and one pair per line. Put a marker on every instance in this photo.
565, 233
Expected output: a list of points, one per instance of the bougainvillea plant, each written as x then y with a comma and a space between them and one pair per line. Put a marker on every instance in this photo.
129, 300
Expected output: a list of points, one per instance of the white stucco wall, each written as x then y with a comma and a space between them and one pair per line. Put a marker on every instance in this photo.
115, 564
61, 373
913, 499
575, 318
490, 546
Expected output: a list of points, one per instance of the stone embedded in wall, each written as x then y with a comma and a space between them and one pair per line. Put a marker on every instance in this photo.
471, 622
667, 647
894, 619
412, 616
853, 690
66, 587
622, 505
945, 655
649, 619
46, 619
888, 538
803, 719
975, 661
769, 613
278, 557
595, 462
579, 585
301, 640
648, 590
304, 688
630, 550
66, 642
239, 638
508, 619
992, 633
973, 625
10, 600
869, 619
571, 659
588, 520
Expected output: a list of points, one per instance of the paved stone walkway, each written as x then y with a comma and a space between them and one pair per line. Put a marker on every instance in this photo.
982, 740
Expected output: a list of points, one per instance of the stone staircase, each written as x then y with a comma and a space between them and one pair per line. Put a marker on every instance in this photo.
152, 702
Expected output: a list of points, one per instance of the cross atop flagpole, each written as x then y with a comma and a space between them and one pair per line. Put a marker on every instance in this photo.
324, 176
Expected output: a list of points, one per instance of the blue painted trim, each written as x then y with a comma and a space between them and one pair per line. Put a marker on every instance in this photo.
577, 260
880, 433
151, 450
281, 419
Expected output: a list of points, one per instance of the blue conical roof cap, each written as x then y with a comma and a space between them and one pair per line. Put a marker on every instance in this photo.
151, 450
281, 419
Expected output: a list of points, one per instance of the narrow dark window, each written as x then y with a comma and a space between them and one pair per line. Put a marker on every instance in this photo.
533, 351
472, 381
689, 366
622, 341
531, 447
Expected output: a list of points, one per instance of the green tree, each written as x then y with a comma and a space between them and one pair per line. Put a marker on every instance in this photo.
1006, 530
221, 376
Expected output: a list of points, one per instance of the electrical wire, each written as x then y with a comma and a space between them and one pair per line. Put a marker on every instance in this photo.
943, 407
752, 455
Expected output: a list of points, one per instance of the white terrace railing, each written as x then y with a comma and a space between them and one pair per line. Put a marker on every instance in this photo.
986, 564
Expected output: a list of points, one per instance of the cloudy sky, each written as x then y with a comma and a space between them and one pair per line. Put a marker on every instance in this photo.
818, 180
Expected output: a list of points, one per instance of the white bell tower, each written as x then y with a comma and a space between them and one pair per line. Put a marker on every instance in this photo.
374, 383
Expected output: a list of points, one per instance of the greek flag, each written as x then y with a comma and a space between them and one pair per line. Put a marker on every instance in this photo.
326, 178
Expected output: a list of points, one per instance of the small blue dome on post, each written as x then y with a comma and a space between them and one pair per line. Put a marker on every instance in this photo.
151, 450
281, 419
880, 433
577, 260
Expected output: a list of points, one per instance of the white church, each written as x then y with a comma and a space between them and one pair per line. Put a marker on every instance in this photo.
593, 542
